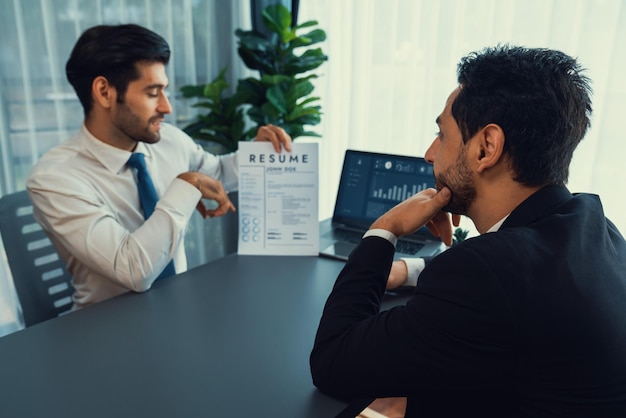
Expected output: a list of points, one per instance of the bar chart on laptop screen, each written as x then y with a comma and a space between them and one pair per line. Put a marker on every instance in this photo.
399, 180
394, 180
398, 193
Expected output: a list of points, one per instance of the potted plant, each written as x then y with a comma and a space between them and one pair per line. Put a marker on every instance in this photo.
459, 235
280, 96
223, 124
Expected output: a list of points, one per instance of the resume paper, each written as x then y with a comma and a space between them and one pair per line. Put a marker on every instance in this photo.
278, 199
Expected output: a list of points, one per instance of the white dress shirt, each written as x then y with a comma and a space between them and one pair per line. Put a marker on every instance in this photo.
85, 197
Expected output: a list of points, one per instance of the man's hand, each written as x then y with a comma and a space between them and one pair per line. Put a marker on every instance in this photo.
276, 135
423, 208
398, 274
211, 189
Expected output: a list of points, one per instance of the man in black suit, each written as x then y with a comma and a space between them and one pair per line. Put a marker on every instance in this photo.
529, 318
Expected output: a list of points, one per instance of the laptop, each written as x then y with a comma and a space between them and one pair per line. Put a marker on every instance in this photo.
371, 184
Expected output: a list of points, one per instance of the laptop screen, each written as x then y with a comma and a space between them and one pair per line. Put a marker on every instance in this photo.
372, 183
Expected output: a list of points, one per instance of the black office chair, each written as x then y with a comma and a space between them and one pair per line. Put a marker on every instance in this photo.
43, 285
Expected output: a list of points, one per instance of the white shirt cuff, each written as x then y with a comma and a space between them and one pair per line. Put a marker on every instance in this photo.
414, 267
382, 233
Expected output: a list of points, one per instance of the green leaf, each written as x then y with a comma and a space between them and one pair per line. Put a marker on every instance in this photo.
257, 61
236, 130
192, 91
253, 41
256, 115
209, 119
300, 112
193, 128
276, 96
252, 91
459, 235
275, 79
308, 100
308, 61
294, 130
288, 37
310, 38
213, 91
277, 18
312, 119
306, 24
299, 90
272, 114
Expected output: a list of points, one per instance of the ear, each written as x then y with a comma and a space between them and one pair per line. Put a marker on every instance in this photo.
490, 146
103, 93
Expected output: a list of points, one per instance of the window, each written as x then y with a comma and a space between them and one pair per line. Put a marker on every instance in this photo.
38, 107
392, 64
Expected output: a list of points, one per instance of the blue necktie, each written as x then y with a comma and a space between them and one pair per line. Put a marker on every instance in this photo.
147, 197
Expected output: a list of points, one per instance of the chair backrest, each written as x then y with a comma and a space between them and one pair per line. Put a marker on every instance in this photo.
41, 279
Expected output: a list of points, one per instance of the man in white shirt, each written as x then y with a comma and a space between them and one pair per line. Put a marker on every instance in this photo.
85, 194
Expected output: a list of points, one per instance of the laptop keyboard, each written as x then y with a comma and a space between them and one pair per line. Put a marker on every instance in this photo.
348, 236
404, 247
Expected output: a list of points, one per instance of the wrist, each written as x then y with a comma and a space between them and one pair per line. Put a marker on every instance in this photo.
192, 178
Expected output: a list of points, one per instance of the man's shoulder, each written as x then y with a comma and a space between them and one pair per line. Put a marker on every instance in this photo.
57, 161
479, 255
60, 154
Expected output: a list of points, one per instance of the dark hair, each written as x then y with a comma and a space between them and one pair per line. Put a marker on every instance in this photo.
111, 52
537, 96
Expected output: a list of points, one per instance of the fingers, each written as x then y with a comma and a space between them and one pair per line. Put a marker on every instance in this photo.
440, 226
276, 135
212, 213
211, 189
222, 209
443, 197
423, 208
202, 210
415, 212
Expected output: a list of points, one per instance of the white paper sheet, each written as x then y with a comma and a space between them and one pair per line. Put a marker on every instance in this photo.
278, 200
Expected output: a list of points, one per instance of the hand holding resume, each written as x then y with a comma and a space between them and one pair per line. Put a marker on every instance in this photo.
278, 200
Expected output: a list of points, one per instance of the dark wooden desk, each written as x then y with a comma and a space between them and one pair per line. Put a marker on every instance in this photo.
228, 339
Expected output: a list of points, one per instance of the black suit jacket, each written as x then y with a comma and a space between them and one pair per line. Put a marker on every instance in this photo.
528, 321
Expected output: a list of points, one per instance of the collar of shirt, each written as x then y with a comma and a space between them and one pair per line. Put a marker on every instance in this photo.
110, 157
497, 225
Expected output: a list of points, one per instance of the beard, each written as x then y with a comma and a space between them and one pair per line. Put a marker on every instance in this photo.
457, 178
132, 126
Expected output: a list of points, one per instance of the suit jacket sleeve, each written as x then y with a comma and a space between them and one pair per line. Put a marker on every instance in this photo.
453, 333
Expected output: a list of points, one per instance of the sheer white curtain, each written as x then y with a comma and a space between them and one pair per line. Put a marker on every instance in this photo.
392, 64
38, 108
